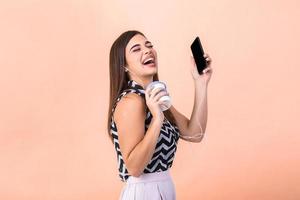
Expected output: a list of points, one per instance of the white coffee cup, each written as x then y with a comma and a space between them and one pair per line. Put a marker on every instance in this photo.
166, 100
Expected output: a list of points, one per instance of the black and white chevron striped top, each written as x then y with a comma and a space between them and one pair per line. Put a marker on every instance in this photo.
166, 145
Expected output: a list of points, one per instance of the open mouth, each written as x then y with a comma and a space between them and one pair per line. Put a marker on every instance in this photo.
149, 61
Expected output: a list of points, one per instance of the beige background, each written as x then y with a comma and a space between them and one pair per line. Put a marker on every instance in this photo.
54, 96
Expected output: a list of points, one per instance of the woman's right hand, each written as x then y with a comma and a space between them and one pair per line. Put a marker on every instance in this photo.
152, 101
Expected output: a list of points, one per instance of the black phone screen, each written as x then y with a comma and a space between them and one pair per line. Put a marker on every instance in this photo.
198, 52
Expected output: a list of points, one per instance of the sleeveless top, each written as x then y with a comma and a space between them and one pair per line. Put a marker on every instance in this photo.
166, 145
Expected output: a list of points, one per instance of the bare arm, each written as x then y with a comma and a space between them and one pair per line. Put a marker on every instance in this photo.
196, 125
137, 148
198, 119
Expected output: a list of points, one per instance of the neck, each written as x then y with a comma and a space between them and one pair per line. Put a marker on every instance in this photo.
144, 81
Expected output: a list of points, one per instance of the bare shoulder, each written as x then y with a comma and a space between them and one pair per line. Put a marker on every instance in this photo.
129, 103
130, 118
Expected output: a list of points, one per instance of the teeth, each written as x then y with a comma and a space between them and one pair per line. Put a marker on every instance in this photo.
149, 59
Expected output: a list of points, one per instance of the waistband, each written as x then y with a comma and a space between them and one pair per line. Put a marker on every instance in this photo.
150, 177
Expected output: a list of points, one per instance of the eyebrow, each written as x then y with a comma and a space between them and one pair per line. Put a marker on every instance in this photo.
147, 42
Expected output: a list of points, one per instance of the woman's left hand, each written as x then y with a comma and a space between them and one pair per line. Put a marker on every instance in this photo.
207, 72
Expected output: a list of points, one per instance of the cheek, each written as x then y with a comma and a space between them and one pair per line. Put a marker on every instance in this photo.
136, 59
154, 52
133, 59
129, 60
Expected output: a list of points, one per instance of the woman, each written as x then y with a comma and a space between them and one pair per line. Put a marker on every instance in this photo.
145, 138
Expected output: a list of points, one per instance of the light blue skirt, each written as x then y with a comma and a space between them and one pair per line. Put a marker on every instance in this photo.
150, 186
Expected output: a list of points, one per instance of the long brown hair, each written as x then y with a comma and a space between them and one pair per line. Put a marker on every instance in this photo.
119, 78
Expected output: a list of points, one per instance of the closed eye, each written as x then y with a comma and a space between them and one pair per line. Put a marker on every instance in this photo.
137, 49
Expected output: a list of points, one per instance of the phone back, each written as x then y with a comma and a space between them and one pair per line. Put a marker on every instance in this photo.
198, 52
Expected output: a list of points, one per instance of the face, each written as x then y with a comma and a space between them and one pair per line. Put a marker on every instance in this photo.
141, 58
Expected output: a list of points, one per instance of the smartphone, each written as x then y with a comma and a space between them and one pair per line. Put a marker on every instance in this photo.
198, 52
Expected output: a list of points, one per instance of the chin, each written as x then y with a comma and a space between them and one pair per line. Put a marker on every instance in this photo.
154, 71
151, 73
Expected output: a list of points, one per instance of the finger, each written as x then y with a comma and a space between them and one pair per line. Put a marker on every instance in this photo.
192, 61
158, 96
208, 61
153, 92
147, 93
207, 58
146, 90
207, 69
149, 90
157, 91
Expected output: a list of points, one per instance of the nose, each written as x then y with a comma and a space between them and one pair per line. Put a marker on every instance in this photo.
147, 51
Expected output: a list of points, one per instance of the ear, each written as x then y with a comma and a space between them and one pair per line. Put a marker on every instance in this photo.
126, 70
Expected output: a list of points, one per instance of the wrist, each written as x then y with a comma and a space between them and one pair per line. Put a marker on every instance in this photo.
200, 83
157, 120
